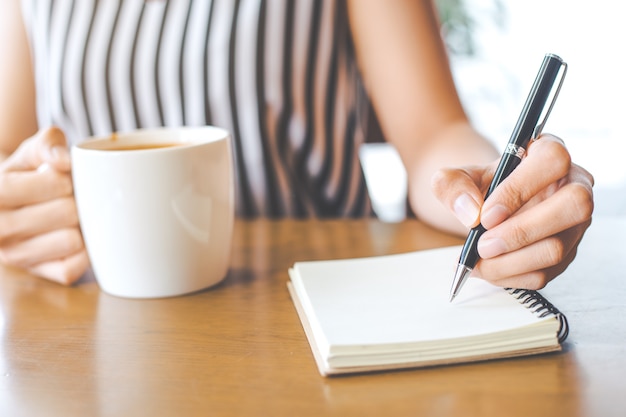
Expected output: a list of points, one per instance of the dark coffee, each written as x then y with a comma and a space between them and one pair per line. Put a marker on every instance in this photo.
116, 146
140, 146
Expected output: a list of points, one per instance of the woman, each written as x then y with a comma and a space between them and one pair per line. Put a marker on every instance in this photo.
287, 79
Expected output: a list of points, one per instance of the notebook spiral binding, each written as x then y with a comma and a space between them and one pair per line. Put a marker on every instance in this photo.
542, 307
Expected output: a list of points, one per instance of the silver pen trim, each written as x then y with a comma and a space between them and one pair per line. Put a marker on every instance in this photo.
515, 150
460, 277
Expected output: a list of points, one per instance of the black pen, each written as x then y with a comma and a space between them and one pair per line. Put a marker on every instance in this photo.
527, 128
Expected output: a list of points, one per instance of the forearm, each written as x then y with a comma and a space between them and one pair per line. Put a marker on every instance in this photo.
405, 66
17, 87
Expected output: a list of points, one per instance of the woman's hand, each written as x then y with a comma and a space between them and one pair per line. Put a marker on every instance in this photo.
535, 218
39, 229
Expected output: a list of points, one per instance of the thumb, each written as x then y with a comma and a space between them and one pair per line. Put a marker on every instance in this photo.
46, 147
459, 190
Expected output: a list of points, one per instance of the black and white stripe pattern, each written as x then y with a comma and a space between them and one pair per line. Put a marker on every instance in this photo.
279, 74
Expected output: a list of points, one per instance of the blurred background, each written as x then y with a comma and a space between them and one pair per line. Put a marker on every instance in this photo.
496, 48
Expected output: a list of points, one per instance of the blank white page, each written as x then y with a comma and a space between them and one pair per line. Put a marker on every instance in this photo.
401, 299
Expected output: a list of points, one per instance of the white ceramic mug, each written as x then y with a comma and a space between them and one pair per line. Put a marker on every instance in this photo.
157, 221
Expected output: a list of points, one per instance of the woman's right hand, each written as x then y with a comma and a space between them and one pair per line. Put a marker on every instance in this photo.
39, 229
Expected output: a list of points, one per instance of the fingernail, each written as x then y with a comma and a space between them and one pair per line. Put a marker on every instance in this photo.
466, 210
490, 247
494, 216
43, 167
59, 153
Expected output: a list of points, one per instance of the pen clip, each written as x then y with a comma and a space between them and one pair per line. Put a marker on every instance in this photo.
539, 128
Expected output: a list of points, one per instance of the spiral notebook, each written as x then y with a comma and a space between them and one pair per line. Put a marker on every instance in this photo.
393, 312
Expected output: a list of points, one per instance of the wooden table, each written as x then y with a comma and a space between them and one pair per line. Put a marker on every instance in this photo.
238, 349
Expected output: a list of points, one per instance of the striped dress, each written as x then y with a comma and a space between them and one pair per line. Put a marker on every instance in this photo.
279, 74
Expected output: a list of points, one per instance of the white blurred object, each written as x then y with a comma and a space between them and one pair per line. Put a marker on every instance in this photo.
386, 180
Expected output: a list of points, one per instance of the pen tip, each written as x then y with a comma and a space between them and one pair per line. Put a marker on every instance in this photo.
462, 273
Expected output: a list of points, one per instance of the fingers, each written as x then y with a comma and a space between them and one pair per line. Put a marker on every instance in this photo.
569, 206
547, 161
533, 266
22, 188
36, 219
56, 244
48, 146
461, 191
64, 271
